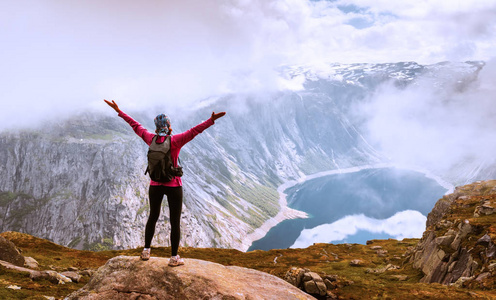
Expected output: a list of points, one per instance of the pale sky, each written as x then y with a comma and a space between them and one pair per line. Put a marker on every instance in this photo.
57, 57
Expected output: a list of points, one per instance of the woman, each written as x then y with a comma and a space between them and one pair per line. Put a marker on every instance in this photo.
172, 189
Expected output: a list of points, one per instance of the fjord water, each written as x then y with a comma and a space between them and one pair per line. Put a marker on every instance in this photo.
374, 193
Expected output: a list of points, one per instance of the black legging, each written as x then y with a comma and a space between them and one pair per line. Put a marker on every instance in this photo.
175, 199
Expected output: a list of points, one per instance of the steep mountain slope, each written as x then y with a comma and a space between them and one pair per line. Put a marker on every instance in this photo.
80, 182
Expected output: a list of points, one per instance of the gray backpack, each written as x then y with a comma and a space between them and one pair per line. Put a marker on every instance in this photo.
160, 165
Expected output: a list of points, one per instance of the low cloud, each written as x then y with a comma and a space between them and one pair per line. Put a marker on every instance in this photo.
404, 224
442, 120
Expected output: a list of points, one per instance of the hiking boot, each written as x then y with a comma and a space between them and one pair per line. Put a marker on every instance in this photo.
145, 255
175, 261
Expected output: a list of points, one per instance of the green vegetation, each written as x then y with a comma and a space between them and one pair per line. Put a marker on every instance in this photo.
214, 229
105, 136
309, 165
265, 198
142, 209
226, 203
6, 198
30, 289
19, 215
105, 245
255, 220
272, 179
74, 242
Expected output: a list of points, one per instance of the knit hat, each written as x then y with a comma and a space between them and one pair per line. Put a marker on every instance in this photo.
162, 123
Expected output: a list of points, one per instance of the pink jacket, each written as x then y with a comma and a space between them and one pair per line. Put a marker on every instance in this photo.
177, 141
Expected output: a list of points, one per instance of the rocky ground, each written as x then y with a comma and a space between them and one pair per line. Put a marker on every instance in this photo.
453, 260
128, 277
457, 246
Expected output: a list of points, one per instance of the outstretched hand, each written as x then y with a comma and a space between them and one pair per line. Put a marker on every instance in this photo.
113, 105
218, 115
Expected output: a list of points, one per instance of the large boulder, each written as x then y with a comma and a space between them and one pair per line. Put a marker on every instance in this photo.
10, 253
126, 277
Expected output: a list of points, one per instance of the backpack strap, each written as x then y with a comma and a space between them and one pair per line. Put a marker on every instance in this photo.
154, 140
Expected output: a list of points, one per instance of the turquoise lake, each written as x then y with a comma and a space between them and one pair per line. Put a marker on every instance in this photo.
375, 193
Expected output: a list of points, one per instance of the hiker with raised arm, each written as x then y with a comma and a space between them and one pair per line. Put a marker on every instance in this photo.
165, 174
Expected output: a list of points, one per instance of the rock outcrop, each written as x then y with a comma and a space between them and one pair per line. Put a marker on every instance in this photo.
315, 284
10, 253
458, 246
49, 275
126, 277
11, 258
30, 263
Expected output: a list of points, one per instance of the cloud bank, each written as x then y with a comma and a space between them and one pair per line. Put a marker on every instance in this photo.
404, 224
441, 121
59, 57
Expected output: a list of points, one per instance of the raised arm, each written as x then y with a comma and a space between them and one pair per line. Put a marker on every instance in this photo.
138, 129
182, 138
215, 116
113, 105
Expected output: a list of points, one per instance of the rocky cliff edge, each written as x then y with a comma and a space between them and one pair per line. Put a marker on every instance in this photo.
127, 277
458, 244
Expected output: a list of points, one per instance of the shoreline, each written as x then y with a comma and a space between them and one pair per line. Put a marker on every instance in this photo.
288, 213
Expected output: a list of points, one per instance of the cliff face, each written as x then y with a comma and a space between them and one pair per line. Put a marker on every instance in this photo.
458, 246
71, 181
87, 190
